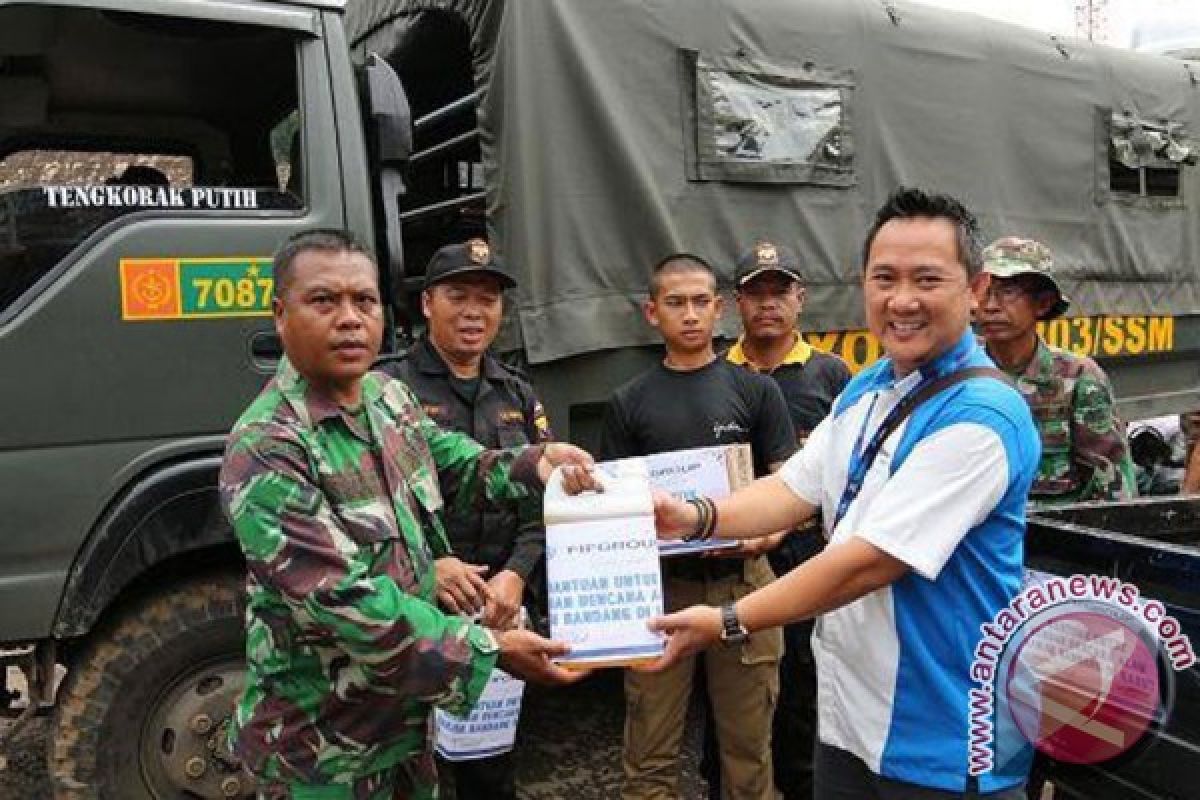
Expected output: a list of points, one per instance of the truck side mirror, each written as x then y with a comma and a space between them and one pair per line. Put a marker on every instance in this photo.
390, 144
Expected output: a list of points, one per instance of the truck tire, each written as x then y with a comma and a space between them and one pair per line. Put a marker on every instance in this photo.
143, 711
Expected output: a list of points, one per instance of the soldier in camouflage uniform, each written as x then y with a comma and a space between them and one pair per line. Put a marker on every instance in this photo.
331, 482
1085, 455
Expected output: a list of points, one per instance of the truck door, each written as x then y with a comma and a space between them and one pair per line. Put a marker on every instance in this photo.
149, 166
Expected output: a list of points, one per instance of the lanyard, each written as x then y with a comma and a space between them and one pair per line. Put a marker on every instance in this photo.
861, 458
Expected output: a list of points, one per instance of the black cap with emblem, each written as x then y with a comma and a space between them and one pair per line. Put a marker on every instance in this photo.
766, 257
473, 256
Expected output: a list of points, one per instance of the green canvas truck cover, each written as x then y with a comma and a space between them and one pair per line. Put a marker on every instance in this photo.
617, 131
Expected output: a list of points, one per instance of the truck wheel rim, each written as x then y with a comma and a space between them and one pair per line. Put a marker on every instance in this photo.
183, 748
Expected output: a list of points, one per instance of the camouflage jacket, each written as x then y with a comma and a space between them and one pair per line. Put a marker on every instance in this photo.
1085, 455
336, 514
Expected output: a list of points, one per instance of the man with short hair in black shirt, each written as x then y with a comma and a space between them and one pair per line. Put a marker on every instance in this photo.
695, 399
770, 297
498, 547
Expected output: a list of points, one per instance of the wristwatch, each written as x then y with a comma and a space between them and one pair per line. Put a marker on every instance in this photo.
732, 630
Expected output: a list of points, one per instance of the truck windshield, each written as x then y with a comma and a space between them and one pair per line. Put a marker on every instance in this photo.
113, 114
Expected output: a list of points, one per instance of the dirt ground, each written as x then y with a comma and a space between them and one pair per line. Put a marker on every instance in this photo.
569, 748
25, 776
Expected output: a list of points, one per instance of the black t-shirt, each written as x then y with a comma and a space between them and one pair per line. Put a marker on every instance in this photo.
809, 379
664, 409
810, 388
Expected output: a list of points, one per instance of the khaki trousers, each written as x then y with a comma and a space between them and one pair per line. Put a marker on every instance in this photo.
743, 684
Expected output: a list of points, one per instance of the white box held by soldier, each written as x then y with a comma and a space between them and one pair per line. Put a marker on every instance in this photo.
709, 471
602, 573
491, 727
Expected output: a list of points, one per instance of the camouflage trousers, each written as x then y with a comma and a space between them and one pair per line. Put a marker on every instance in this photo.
409, 780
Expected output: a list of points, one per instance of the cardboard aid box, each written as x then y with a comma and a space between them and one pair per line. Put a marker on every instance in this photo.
602, 552
491, 727
602, 572
714, 472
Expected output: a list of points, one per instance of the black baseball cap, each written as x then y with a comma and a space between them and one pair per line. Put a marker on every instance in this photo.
766, 257
473, 256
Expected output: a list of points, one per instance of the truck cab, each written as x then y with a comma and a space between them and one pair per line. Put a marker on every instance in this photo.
152, 157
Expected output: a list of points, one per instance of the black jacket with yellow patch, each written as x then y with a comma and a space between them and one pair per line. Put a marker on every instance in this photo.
505, 412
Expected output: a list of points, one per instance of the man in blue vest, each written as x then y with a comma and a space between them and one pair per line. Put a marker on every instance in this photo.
925, 516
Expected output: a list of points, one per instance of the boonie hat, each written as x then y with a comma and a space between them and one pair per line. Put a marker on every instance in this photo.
1011, 256
473, 256
766, 257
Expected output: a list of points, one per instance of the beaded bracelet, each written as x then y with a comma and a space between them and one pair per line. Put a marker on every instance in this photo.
701, 513
706, 519
710, 525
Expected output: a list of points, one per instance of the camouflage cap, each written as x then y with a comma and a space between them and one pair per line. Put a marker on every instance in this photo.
1011, 256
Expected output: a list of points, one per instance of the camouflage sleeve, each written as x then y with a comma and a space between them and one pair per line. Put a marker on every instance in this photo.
477, 473
297, 550
1098, 442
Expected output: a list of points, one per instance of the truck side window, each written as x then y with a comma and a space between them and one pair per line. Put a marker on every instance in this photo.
764, 122
35, 237
1145, 159
105, 114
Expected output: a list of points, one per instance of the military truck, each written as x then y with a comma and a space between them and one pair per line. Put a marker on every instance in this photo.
154, 152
